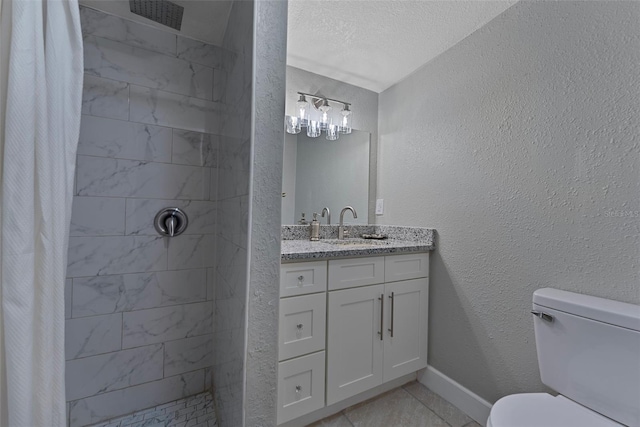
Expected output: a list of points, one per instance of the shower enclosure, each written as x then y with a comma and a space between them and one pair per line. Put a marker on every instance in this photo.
167, 123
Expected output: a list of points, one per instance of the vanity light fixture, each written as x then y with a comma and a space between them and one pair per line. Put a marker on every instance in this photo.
322, 119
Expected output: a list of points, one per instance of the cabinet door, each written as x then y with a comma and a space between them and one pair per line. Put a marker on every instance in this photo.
407, 304
354, 345
300, 386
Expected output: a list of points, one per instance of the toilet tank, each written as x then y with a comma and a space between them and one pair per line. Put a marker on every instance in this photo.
590, 351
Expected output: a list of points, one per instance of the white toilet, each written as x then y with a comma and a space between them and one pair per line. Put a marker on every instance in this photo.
589, 352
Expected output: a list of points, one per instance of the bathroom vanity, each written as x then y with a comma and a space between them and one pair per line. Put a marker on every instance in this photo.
353, 316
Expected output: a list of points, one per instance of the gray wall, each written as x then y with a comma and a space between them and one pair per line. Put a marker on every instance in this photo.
520, 146
364, 105
270, 28
139, 306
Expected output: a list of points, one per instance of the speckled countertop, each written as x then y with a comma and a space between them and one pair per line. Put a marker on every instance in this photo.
296, 245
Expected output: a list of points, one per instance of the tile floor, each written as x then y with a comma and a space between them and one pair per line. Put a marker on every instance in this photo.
411, 405
194, 411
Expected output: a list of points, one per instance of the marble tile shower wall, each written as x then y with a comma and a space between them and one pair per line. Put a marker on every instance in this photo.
233, 221
140, 307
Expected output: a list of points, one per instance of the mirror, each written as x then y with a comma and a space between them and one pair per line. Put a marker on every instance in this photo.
319, 173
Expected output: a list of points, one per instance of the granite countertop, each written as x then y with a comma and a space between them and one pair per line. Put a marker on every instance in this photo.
296, 245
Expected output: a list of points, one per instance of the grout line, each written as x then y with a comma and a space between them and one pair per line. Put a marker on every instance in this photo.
424, 404
344, 413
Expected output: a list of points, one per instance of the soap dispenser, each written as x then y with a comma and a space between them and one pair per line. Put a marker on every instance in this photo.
314, 228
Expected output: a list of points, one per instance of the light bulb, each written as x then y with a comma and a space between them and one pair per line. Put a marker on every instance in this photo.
333, 132
325, 108
345, 122
303, 111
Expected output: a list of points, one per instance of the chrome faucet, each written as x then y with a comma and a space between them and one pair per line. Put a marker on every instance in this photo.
341, 231
325, 209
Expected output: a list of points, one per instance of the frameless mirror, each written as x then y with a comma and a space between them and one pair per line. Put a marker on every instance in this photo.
318, 173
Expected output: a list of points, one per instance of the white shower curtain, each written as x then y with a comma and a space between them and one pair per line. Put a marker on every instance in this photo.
41, 84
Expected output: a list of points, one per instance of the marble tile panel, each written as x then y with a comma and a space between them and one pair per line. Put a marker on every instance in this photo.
229, 345
104, 137
213, 184
195, 148
167, 323
140, 213
105, 98
233, 218
109, 405
98, 176
235, 122
228, 392
211, 280
97, 216
472, 424
219, 85
205, 54
234, 167
191, 251
108, 372
91, 336
229, 314
103, 255
68, 287
445, 410
188, 354
337, 420
122, 62
157, 107
208, 378
395, 408
135, 34
230, 266
128, 292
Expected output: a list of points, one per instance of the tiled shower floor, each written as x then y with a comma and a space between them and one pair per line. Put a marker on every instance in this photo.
194, 411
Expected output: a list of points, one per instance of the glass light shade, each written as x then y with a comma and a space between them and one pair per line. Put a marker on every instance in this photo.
324, 110
293, 124
333, 132
303, 111
313, 129
346, 120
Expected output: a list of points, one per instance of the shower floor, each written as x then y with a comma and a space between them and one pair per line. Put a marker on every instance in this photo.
194, 411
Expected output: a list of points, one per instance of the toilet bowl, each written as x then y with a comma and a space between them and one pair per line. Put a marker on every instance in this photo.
589, 352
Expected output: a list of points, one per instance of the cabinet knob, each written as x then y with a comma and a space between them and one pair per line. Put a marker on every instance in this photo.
299, 326
298, 388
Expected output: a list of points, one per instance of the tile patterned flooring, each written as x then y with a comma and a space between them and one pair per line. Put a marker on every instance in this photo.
194, 411
412, 405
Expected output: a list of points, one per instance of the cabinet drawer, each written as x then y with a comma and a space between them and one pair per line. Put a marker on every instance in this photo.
348, 273
300, 386
302, 325
303, 278
405, 267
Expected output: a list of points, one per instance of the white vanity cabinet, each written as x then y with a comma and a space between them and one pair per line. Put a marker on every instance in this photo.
375, 312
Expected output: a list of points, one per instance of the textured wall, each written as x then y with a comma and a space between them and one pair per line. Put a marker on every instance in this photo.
266, 174
364, 104
233, 221
520, 145
139, 306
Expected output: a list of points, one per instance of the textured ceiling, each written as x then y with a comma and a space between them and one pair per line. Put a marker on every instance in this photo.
204, 20
376, 43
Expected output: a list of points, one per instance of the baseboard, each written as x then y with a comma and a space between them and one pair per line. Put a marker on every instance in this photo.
456, 394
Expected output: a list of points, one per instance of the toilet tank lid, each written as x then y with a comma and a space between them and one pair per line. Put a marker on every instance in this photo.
600, 309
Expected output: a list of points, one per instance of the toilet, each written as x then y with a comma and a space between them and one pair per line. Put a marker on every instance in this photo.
589, 352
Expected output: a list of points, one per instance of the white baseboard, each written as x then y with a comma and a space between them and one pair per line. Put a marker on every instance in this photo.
456, 394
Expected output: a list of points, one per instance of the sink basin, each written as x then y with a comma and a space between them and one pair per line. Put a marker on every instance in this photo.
357, 242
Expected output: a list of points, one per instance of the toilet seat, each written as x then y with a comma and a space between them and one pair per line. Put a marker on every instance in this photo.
544, 410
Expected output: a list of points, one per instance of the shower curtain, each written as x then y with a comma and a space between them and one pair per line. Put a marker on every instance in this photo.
41, 96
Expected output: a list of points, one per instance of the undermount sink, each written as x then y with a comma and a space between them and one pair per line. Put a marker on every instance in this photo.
357, 242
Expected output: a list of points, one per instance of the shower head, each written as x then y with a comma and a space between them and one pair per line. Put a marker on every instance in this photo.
161, 11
